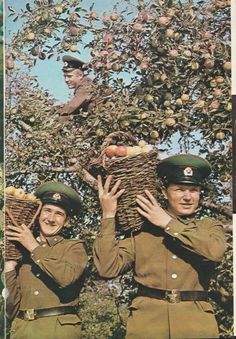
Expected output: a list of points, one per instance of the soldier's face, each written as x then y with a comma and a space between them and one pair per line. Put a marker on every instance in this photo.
183, 199
52, 219
73, 78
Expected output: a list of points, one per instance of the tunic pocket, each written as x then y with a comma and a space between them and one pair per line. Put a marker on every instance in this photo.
69, 319
136, 303
205, 306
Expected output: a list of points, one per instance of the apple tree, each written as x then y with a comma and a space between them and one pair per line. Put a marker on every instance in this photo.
161, 71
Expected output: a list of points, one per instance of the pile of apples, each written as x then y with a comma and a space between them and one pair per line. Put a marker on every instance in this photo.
20, 194
128, 151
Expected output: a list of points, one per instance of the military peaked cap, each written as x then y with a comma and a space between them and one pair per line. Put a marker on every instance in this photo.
184, 169
71, 63
61, 195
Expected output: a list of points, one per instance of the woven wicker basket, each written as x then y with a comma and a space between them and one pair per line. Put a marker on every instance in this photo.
136, 173
17, 212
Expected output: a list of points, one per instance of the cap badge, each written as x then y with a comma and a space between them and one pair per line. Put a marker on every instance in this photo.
188, 172
56, 196
65, 63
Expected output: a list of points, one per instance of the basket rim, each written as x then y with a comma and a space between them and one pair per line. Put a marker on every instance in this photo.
107, 162
13, 197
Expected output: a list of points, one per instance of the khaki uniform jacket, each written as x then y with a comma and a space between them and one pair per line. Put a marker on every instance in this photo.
50, 277
179, 257
81, 99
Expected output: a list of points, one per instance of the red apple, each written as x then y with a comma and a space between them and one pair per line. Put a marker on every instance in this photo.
227, 66
73, 17
163, 20
9, 64
110, 151
170, 122
74, 30
138, 27
107, 37
206, 35
93, 15
106, 19
173, 52
143, 65
169, 33
121, 151
218, 92
215, 104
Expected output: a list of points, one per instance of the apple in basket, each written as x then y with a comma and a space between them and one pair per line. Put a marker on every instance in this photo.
110, 151
133, 150
10, 190
147, 148
121, 151
31, 197
19, 193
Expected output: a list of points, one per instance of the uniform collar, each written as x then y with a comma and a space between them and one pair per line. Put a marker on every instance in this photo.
186, 220
52, 240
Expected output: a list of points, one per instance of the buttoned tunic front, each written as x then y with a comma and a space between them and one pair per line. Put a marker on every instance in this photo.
182, 257
51, 277
81, 99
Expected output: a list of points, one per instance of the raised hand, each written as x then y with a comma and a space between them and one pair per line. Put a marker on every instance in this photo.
150, 209
9, 265
108, 197
23, 235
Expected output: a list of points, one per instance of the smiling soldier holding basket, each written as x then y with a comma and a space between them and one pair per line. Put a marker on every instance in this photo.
173, 255
43, 288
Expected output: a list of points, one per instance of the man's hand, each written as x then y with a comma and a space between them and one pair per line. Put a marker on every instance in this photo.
150, 209
23, 235
9, 265
108, 198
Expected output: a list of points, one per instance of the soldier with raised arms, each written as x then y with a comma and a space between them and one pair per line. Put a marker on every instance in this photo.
173, 256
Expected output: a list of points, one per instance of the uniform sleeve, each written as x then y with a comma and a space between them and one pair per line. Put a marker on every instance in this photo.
204, 237
81, 96
112, 257
64, 269
14, 294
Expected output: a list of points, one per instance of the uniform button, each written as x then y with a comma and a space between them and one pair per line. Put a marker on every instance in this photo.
37, 260
55, 239
38, 275
176, 234
36, 292
44, 245
174, 276
167, 228
174, 256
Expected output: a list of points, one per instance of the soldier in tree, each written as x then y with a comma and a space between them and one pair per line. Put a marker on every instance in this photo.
173, 256
73, 69
44, 287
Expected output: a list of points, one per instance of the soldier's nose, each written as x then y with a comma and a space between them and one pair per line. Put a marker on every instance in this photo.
187, 195
51, 218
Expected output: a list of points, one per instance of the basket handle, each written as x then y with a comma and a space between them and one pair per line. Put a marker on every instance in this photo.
109, 138
32, 221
